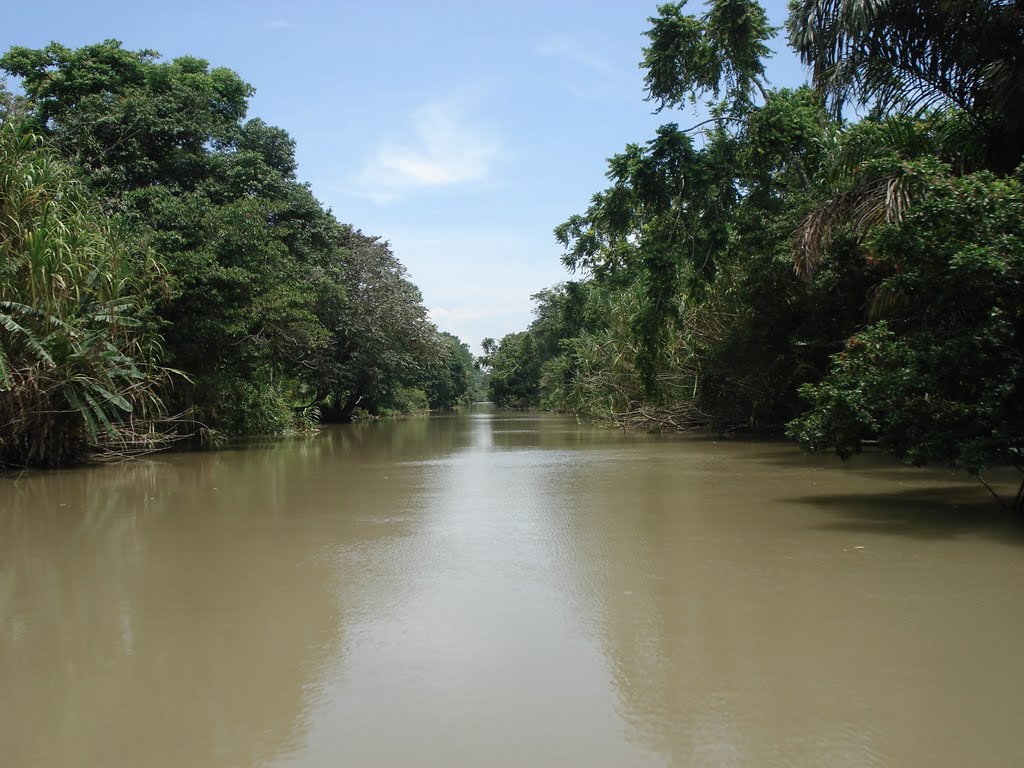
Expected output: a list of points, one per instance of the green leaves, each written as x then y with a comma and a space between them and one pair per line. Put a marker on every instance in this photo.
262, 296
723, 51
77, 356
939, 377
127, 118
382, 339
515, 372
905, 56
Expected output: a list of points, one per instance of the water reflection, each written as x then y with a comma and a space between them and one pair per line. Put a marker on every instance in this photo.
742, 632
173, 612
505, 590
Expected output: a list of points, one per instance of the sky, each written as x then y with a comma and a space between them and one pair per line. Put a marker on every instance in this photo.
462, 132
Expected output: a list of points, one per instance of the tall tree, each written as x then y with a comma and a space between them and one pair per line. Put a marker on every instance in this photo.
939, 375
382, 339
721, 53
271, 299
128, 119
515, 372
907, 55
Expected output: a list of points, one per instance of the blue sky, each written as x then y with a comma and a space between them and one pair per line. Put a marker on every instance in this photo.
462, 132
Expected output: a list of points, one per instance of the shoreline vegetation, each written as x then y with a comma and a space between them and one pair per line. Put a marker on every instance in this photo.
165, 279
842, 263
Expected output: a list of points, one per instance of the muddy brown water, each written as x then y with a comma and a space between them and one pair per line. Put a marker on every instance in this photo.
496, 589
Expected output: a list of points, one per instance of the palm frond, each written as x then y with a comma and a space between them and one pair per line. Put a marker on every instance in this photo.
871, 202
912, 57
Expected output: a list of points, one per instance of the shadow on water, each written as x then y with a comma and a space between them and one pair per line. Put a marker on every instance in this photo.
935, 512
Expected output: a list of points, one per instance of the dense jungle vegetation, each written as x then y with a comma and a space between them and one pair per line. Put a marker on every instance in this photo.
164, 275
843, 261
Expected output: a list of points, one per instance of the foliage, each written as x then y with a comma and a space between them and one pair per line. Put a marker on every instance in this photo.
904, 56
940, 377
698, 246
215, 198
724, 50
78, 351
239, 405
381, 337
127, 119
662, 220
595, 375
875, 170
902, 324
518, 363
451, 381
406, 400
515, 372
936, 374
273, 307
906, 326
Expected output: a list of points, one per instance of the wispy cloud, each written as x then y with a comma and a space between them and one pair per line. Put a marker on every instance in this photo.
441, 150
472, 324
444, 316
498, 269
278, 24
559, 47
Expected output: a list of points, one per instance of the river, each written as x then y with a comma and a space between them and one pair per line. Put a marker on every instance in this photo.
494, 589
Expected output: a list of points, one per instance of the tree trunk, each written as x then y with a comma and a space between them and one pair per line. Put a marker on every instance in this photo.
345, 415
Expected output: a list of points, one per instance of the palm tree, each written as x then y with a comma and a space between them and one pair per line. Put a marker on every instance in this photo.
914, 55
874, 170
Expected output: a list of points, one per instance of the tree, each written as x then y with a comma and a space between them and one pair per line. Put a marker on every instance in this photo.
164, 143
663, 221
515, 372
939, 375
271, 300
125, 118
906, 55
690, 246
450, 381
381, 338
724, 50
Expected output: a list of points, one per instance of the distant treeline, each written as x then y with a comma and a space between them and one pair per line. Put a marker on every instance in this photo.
164, 275
784, 266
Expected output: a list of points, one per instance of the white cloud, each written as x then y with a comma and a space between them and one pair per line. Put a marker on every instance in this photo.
442, 151
460, 314
478, 283
278, 24
472, 324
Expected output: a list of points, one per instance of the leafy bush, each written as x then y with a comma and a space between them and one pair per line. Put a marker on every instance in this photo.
939, 377
78, 354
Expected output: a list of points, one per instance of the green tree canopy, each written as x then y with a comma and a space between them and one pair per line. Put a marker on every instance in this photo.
906, 55
721, 52
128, 119
271, 300
939, 376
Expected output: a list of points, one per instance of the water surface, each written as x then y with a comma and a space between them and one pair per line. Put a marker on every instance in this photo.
507, 590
